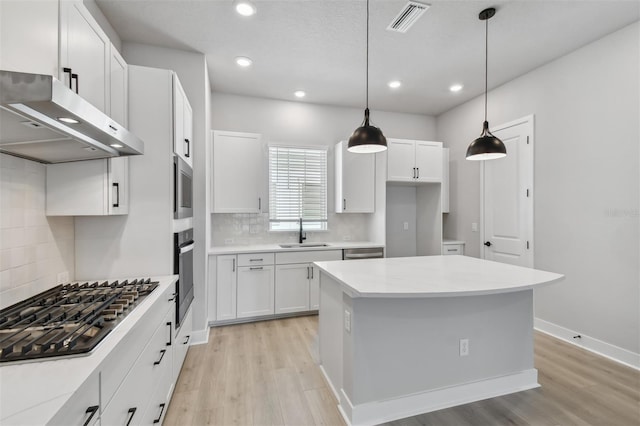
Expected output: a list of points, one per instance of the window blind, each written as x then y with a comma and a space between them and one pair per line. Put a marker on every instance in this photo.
297, 188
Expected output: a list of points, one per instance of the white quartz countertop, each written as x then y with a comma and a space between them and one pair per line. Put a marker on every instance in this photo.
31, 393
433, 276
256, 248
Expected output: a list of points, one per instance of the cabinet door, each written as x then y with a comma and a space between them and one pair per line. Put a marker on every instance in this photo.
118, 185
77, 189
118, 88
226, 287
429, 161
181, 343
255, 291
188, 132
237, 172
178, 118
314, 288
292, 288
85, 48
29, 36
400, 160
445, 180
355, 181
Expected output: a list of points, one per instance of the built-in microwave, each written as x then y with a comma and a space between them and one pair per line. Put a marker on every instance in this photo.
183, 189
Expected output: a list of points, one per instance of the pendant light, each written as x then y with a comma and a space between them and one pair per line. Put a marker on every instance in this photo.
487, 146
367, 139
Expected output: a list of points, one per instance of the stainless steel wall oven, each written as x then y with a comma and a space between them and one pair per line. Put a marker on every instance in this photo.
183, 189
183, 266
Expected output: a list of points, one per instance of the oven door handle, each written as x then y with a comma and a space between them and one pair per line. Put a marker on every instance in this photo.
187, 248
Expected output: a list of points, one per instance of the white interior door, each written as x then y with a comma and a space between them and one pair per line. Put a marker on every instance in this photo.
508, 197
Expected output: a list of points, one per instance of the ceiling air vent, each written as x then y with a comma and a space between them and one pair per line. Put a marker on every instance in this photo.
407, 16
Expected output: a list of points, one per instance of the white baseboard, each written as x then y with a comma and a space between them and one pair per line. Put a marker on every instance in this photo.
326, 379
607, 350
200, 337
373, 413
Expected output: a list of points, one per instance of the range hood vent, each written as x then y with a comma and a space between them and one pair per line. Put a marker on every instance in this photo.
41, 119
407, 16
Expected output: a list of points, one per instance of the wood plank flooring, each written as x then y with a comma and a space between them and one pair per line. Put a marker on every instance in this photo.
265, 373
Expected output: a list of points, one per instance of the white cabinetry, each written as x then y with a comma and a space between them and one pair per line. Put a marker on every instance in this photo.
238, 173
452, 247
83, 408
414, 161
118, 88
84, 54
355, 181
292, 288
88, 188
255, 291
181, 343
183, 123
445, 180
226, 287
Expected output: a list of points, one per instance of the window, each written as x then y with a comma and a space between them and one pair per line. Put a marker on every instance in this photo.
297, 188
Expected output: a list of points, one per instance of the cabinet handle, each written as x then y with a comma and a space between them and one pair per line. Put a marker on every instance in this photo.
417, 172
186, 341
188, 153
414, 172
116, 185
260, 203
75, 77
173, 297
131, 413
160, 415
92, 412
68, 71
344, 204
256, 260
256, 268
234, 266
170, 333
307, 272
162, 352
311, 267
452, 249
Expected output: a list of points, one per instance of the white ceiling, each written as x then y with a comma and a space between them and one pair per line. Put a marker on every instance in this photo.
319, 45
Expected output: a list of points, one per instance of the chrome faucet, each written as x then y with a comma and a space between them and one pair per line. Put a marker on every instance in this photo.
303, 235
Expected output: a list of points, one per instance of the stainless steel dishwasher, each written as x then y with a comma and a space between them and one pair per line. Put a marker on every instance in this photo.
363, 253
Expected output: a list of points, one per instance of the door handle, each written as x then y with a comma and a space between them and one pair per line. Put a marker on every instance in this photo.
188, 153
131, 413
92, 411
169, 324
160, 415
488, 244
116, 185
344, 204
68, 71
414, 172
162, 352
75, 77
417, 172
260, 203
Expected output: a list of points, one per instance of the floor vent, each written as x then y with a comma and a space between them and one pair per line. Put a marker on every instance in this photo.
407, 16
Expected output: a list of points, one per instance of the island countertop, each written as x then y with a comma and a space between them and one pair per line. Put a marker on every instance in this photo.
433, 276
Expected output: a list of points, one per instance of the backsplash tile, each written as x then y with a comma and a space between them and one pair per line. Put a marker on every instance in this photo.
253, 228
34, 248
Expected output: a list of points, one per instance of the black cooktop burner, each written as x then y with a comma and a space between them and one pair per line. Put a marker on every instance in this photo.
68, 319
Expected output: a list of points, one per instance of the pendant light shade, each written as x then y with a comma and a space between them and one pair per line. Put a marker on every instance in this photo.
487, 146
367, 139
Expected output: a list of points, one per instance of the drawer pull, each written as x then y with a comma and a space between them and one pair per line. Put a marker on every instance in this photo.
186, 340
162, 352
131, 413
256, 268
452, 249
256, 260
92, 411
169, 324
173, 297
160, 415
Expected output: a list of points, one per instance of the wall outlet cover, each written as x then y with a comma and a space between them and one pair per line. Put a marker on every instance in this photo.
347, 321
464, 347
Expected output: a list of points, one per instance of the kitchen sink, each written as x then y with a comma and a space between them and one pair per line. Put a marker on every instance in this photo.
296, 245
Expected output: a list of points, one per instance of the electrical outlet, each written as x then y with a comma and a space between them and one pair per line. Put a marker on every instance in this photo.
464, 347
347, 321
405, 226
474, 227
63, 277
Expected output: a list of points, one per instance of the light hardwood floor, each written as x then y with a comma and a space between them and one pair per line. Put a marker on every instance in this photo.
265, 373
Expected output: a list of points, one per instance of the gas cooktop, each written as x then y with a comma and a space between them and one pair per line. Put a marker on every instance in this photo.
68, 319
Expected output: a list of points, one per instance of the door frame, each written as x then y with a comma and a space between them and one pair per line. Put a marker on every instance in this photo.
530, 119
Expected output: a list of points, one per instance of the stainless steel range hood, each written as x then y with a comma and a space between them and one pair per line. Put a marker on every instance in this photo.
43, 120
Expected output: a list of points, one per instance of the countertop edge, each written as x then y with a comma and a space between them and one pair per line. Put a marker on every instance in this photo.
275, 248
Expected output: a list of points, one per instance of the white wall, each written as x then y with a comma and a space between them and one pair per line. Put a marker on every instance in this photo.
587, 134
302, 123
34, 248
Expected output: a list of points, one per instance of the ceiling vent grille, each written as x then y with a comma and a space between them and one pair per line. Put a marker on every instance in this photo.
407, 16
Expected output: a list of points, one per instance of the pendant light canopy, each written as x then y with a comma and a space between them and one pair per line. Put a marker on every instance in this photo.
367, 138
487, 146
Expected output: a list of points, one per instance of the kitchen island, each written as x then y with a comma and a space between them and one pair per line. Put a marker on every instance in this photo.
404, 336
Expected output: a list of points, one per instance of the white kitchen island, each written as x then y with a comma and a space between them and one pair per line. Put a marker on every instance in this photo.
392, 332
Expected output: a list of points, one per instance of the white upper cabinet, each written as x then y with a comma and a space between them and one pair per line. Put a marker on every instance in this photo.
84, 54
29, 36
88, 188
183, 123
118, 88
355, 181
445, 180
414, 161
238, 173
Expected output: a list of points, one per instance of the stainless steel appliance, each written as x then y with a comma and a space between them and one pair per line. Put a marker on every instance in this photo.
183, 266
363, 253
183, 189
44, 120
68, 319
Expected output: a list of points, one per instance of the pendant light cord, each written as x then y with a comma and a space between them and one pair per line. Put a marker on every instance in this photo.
486, 65
367, 77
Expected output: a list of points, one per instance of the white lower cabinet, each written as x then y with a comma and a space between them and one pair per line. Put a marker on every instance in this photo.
255, 291
292, 288
226, 287
314, 288
83, 407
181, 343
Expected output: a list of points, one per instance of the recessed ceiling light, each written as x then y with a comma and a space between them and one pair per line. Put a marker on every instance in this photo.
300, 93
456, 87
116, 145
243, 61
395, 84
245, 8
68, 120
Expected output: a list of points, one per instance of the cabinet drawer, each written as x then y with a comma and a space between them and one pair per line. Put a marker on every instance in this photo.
255, 259
451, 249
82, 406
159, 402
308, 256
181, 343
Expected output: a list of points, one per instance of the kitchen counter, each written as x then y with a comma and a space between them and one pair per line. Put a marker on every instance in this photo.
31, 393
257, 248
404, 336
